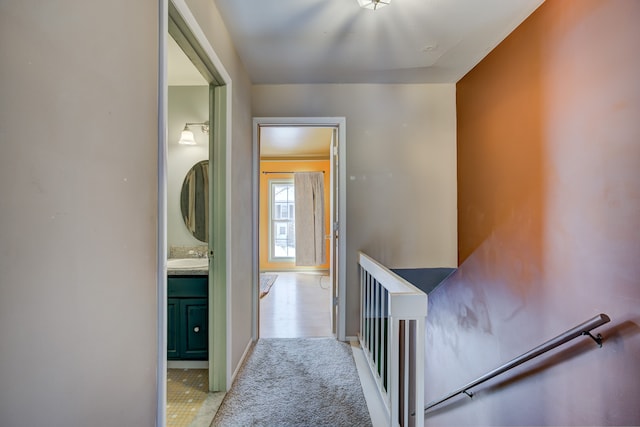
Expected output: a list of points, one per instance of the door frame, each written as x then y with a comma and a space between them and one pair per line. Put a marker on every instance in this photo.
176, 12
338, 123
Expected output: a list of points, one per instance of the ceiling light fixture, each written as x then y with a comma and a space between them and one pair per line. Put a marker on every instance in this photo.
186, 136
373, 4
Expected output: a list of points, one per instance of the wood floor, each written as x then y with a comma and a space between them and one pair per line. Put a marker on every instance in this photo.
297, 306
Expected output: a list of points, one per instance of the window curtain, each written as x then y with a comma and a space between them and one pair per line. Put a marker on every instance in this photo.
309, 221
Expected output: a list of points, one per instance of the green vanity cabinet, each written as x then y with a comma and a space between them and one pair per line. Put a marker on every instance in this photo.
187, 318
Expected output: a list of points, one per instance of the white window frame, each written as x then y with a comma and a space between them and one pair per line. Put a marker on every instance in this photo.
271, 208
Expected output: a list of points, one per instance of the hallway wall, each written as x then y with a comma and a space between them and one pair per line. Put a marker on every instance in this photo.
549, 224
78, 222
78, 216
400, 166
239, 201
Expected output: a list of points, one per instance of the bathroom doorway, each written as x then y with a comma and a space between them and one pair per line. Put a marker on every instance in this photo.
187, 238
194, 97
284, 148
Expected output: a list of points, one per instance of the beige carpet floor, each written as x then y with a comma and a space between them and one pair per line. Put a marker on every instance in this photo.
296, 382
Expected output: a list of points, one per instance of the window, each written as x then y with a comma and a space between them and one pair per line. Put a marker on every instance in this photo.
282, 244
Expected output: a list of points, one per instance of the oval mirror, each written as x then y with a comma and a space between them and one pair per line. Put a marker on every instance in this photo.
194, 200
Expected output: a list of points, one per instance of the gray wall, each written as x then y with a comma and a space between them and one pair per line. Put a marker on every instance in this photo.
239, 272
401, 169
549, 224
78, 184
78, 181
186, 104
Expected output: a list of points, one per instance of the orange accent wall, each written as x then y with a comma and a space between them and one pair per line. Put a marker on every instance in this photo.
549, 224
294, 166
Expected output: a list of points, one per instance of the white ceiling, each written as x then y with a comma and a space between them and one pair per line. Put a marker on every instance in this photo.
285, 142
336, 41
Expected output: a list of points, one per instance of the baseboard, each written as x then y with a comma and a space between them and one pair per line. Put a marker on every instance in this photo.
371, 394
323, 272
187, 364
246, 352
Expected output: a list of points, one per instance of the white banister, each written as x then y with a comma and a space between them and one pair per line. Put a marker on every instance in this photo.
392, 322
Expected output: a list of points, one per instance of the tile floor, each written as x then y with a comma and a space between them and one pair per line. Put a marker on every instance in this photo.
187, 390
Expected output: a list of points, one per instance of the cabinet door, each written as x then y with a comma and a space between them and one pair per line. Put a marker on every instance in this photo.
194, 315
173, 317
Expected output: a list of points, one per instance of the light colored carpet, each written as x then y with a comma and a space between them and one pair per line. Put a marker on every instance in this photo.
266, 281
296, 382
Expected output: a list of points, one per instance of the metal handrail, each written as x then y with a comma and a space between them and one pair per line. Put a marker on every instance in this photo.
581, 329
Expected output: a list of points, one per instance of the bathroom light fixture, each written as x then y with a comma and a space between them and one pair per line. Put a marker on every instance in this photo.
186, 136
373, 4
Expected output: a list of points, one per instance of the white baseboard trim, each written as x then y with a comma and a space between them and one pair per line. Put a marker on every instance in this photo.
241, 362
379, 417
187, 364
322, 272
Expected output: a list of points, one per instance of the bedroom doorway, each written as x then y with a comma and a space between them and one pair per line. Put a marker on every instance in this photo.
300, 278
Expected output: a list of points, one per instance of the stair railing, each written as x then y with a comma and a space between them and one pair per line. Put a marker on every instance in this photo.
580, 330
392, 334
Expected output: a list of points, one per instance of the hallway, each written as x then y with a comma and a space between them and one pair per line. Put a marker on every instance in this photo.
296, 382
297, 306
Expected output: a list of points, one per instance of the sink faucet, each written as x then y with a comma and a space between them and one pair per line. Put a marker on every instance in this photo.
199, 254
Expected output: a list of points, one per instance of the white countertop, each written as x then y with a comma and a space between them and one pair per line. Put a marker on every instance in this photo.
187, 267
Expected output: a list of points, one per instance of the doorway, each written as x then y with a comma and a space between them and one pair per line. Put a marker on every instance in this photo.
284, 147
187, 163
182, 28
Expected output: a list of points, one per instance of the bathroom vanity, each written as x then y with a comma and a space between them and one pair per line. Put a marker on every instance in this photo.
187, 315
188, 270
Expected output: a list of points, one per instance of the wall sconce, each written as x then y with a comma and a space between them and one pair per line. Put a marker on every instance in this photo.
186, 136
373, 4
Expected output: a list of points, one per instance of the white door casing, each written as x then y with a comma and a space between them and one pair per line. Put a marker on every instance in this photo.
338, 184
